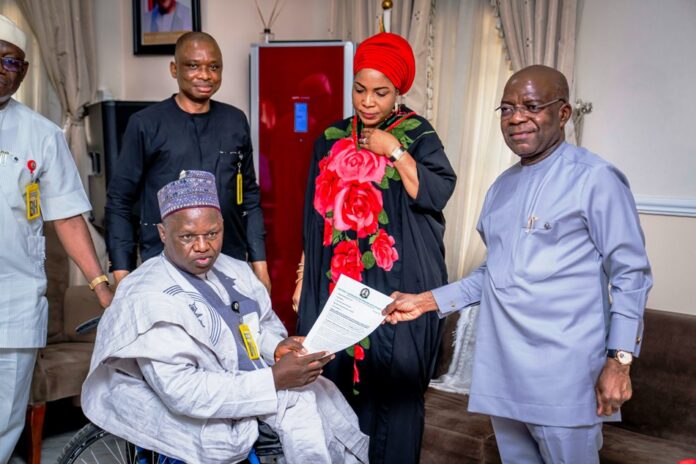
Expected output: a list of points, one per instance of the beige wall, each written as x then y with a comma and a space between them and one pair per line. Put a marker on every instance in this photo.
235, 25
635, 63
671, 244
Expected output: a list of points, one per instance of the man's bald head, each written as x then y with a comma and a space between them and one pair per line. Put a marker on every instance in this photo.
545, 78
197, 68
534, 111
190, 37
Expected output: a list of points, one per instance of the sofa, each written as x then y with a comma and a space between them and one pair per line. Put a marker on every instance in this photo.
659, 422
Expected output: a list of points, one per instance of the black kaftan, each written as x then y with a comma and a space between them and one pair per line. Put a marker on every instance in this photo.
399, 362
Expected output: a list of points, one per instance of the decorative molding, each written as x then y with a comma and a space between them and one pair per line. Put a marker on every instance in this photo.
666, 206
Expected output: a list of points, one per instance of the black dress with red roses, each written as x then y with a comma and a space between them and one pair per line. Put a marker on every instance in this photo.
359, 221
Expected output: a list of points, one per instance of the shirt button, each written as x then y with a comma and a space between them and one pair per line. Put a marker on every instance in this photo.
547, 226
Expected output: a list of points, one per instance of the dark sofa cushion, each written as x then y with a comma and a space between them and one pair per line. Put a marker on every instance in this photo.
453, 435
623, 446
664, 379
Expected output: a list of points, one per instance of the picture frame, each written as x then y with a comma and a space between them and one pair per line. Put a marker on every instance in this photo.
157, 24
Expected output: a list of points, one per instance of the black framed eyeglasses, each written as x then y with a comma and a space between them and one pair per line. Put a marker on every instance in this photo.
10, 64
507, 110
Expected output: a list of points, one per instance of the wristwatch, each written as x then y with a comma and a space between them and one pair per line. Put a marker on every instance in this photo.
396, 154
625, 358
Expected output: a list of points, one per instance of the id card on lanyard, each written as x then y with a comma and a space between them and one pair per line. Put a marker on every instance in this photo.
249, 342
33, 199
32, 195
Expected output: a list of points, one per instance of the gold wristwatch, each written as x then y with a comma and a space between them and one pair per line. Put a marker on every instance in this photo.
625, 358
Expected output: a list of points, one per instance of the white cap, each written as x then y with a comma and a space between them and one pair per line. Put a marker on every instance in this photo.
10, 32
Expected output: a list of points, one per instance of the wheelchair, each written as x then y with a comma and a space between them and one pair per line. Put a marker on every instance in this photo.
93, 445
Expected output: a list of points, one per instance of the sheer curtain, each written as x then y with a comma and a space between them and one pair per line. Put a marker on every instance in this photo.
470, 73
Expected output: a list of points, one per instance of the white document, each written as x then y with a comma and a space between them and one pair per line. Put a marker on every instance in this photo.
352, 312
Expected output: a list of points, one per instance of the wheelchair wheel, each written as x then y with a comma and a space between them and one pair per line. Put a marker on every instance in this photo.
92, 445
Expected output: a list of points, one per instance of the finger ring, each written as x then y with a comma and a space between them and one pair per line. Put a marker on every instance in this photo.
363, 140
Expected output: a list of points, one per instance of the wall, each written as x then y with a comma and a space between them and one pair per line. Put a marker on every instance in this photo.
235, 25
635, 62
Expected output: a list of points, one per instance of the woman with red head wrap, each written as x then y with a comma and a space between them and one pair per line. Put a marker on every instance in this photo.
373, 211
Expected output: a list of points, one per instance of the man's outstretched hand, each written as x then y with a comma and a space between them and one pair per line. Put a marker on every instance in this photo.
409, 306
293, 370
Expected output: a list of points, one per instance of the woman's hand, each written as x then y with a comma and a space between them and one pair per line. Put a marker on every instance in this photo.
378, 141
296, 295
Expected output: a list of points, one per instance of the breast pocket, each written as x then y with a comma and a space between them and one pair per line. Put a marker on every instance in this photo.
538, 250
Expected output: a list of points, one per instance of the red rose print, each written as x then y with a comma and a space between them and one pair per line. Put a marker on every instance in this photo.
325, 187
356, 165
328, 232
347, 260
383, 250
358, 352
357, 207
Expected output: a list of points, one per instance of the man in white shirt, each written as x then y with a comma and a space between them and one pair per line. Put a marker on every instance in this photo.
39, 182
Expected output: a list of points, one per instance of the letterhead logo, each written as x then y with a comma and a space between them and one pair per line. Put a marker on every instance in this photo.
365, 292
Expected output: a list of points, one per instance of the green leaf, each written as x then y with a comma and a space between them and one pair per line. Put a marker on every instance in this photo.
335, 236
373, 237
383, 218
351, 351
328, 274
396, 177
409, 124
334, 133
329, 214
355, 392
368, 260
365, 343
384, 183
390, 171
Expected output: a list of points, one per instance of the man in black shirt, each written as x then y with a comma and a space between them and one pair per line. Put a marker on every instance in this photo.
186, 131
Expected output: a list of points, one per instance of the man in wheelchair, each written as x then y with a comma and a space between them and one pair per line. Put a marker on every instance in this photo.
190, 356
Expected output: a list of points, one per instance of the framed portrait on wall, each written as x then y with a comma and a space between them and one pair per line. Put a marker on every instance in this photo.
157, 24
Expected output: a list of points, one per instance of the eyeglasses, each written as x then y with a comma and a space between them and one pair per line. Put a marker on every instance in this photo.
12, 64
506, 110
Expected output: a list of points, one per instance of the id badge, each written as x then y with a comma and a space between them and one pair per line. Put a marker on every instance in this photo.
249, 342
33, 199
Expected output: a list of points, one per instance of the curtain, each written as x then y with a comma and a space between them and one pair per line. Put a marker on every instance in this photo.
541, 32
356, 20
471, 71
65, 34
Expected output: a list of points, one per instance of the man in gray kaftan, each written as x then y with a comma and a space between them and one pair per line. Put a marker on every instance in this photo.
562, 290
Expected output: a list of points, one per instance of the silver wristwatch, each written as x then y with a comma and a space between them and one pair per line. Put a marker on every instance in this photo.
396, 154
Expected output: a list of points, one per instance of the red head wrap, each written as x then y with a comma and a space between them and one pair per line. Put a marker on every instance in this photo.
389, 54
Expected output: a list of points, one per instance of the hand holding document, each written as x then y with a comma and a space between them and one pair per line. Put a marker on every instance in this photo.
352, 312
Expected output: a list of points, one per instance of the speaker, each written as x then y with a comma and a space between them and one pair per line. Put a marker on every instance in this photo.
105, 123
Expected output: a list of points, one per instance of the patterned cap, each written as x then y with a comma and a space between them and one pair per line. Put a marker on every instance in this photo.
193, 189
